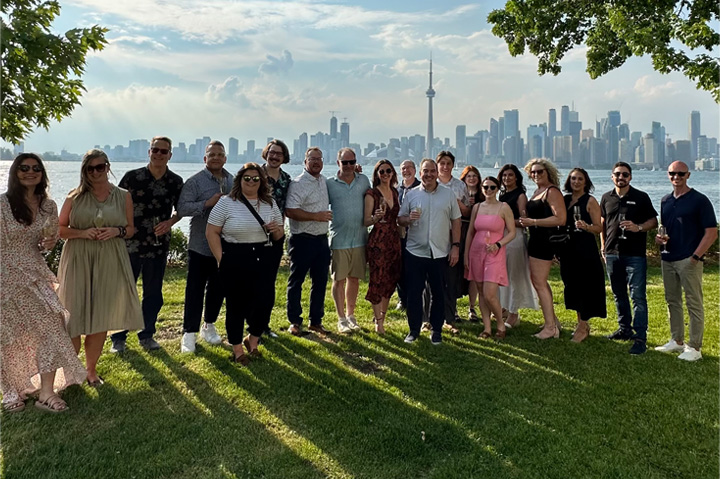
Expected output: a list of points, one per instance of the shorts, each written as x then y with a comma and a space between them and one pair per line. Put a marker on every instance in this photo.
539, 245
348, 263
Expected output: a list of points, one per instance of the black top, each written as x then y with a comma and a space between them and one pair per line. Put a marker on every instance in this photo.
638, 208
402, 189
511, 198
686, 219
151, 198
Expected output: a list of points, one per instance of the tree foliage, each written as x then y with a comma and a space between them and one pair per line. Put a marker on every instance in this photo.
40, 70
677, 35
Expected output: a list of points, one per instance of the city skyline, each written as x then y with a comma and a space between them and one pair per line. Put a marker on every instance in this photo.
276, 70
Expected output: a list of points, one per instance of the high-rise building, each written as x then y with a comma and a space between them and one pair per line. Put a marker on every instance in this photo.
250, 152
233, 149
460, 135
624, 131
683, 151
651, 150
430, 94
302, 147
564, 120
512, 123
344, 134
333, 125
501, 132
658, 132
552, 123
536, 141
614, 118
694, 132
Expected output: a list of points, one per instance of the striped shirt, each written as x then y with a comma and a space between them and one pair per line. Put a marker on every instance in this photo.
238, 223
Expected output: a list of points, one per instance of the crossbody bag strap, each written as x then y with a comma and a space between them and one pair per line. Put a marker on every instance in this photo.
252, 210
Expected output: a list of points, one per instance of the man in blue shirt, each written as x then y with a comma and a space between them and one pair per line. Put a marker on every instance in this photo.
348, 237
691, 227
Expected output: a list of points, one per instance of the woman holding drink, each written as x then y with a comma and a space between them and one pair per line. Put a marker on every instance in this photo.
241, 229
97, 285
471, 177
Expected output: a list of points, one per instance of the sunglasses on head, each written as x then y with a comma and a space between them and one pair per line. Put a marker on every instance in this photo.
624, 174
348, 162
681, 174
26, 168
387, 171
489, 187
156, 150
537, 172
248, 179
99, 168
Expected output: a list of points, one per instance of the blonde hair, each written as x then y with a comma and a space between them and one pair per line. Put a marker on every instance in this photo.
550, 170
85, 185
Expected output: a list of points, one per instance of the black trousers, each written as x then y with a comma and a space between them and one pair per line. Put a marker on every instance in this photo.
202, 281
311, 254
247, 273
418, 272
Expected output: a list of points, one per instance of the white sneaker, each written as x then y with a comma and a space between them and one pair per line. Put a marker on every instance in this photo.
690, 354
209, 334
187, 345
670, 347
343, 326
352, 322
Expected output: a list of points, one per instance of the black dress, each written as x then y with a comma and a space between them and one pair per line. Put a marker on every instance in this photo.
539, 245
581, 267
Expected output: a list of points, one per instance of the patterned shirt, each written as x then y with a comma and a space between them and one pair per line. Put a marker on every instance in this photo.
459, 188
309, 194
199, 188
279, 187
151, 199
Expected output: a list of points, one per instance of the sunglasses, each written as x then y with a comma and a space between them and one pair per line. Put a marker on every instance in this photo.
163, 151
537, 172
681, 174
624, 174
385, 172
348, 162
248, 179
26, 168
489, 187
99, 168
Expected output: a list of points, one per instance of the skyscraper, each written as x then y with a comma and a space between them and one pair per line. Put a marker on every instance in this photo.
344, 134
614, 118
552, 123
565, 120
430, 93
694, 133
333, 125
460, 135
233, 149
512, 123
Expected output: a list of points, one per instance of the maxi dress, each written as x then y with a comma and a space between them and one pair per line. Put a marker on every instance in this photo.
97, 285
33, 338
581, 268
484, 266
383, 251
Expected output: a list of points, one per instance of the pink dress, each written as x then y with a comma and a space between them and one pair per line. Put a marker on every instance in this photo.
484, 266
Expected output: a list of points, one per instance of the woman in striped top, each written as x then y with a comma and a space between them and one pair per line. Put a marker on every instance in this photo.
243, 249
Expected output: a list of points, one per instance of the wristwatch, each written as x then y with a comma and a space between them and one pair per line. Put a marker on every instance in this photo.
498, 245
698, 258
639, 228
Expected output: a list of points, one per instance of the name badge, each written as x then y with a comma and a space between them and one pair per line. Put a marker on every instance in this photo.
630, 202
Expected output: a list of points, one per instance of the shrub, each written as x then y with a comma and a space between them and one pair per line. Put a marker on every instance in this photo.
177, 256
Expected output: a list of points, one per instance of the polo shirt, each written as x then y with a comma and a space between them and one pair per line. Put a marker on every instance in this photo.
638, 208
428, 237
347, 202
686, 219
309, 194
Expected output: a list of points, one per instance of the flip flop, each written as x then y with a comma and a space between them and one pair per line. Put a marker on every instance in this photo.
53, 404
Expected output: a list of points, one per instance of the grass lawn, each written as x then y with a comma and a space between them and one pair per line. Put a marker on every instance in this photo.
374, 407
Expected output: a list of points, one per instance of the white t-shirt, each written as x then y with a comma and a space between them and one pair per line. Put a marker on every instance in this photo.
238, 223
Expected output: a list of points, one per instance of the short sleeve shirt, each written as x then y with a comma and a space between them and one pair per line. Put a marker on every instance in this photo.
347, 202
238, 224
638, 208
459, 188
309, 194
429, 236
686, 219
152, 198
279, 188
402, 189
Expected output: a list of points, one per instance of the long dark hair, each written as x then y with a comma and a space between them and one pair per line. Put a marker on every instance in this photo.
263, 191
16, 192
376, 175
589, 187
518, 176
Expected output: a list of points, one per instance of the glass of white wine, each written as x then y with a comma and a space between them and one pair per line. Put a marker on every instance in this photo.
576, 216
99, 221
662, 233
156, 221
49, 231
417, 209
622, 218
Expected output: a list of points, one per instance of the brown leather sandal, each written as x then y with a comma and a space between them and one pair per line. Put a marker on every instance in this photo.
484, 335
242, 359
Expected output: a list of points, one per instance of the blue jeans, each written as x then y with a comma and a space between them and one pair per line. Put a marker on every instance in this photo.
624, 272
153, 273
307, 254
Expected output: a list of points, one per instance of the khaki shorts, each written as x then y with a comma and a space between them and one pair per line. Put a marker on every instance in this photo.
348, 263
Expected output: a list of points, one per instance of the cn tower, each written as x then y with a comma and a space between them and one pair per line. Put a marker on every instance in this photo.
430, 93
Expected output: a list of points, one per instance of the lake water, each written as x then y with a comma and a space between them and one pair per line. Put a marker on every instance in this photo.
65, 175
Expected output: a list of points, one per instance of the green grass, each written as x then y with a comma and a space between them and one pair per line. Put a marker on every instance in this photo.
372, 407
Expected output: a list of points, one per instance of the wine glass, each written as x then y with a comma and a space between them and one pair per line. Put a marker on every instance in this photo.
662, 233
622, 218
223, 186
383, 208
155, 222
418, 209
99, 221
576, 216
49, 231
487, 237
268, 222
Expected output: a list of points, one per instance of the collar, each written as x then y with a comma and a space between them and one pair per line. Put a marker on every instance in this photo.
437, 185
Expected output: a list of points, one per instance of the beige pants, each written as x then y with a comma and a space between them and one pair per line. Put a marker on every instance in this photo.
678, 276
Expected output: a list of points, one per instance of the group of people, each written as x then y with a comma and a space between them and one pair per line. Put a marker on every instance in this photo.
432, 239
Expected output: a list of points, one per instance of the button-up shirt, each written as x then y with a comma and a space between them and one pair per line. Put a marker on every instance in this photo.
347, 202
428, 236
402, 189
459, 188
279, 187
309, 194
638, 208
199, 188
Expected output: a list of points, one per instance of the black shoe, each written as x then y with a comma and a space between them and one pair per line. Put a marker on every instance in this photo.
411, 337
436, 338
638, 347
620, 335
270, 333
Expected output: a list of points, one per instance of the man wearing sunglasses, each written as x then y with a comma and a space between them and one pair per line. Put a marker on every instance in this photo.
155, 192
691, 228
348, 236
199, 194
626, 216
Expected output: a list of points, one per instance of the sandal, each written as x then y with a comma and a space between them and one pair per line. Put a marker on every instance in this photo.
473, 317
500, 334
242, 359
53, 404
96, 383
484, 335
253, 353
17, 406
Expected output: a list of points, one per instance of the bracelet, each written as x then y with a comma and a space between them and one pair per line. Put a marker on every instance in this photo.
498, 245
122, 230
456, 244
534, 222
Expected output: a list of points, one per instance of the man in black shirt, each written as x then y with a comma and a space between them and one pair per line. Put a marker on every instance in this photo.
155, 192
626, 216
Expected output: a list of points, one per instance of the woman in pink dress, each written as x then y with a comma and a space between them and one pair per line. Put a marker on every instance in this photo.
492, 227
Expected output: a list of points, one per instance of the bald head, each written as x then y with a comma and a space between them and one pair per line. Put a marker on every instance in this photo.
678, 166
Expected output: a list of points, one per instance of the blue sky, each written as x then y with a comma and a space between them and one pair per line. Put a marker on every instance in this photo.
258, 69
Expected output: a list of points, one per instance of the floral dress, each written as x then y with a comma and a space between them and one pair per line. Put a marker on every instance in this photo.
33, 338
383, 251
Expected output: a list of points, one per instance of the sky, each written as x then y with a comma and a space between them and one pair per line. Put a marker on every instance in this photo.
257, 69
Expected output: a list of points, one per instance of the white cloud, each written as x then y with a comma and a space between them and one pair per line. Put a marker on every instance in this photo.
138, 40
648, 91
275, 65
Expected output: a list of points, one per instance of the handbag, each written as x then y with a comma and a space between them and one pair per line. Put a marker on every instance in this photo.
559, 237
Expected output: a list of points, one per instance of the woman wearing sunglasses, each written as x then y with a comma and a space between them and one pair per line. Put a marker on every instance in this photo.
580, 265
471, 177
545, 212
383, 247
35, 349
492, 227
97, 285
241, 230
